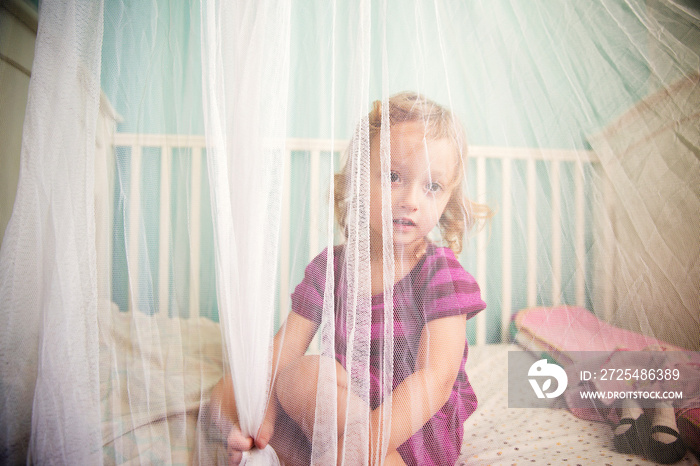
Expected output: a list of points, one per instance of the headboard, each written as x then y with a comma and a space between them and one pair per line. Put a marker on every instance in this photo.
537, 251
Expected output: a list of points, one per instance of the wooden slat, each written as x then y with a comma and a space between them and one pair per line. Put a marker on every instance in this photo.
532, 225
314, 198
506, 251
481, 249
164, 258
133, 217
580, 234
195, 228
285, 250
556, 232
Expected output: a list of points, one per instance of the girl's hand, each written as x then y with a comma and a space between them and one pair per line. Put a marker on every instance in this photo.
236, 445
267, 428
220, 422
220, 429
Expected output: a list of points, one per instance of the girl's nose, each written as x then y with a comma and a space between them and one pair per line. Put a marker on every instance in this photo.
410, 197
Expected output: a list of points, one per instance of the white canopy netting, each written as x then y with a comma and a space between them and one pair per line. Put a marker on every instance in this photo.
259, 230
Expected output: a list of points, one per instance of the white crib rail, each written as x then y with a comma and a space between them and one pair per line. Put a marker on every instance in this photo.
555, 157
166, 143
317, 149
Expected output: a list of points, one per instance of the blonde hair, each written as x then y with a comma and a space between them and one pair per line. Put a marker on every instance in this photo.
461, 214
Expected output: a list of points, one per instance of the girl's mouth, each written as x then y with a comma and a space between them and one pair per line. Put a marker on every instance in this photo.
404, 222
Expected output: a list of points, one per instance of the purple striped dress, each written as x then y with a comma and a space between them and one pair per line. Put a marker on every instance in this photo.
437, 287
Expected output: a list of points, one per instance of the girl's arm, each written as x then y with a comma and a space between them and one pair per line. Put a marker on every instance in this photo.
423, 393
290, 343
292, 340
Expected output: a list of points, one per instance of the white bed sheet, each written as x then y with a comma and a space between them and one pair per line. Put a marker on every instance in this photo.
155, 373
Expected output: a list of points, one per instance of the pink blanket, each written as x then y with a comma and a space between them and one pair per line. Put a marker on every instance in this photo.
563, 330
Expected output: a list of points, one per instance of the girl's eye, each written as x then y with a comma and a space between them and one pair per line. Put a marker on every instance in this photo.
433, 187
394, 177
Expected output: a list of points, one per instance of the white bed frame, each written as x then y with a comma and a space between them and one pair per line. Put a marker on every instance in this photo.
322, 148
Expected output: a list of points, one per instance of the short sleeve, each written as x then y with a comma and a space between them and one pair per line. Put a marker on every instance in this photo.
449, 289
307, 298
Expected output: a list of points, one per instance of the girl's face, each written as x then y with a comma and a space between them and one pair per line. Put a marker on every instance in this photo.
422, 179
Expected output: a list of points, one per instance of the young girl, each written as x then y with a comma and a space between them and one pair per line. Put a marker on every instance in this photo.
433, 296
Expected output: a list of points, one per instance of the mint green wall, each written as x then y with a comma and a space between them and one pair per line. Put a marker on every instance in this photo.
530, 73
151, 65
536, 73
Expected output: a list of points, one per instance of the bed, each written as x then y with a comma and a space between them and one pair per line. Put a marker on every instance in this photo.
494, 434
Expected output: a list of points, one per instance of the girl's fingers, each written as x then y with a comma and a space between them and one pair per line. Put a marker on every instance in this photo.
267, 427
265, 433
234, 457
236, 441
215, 424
